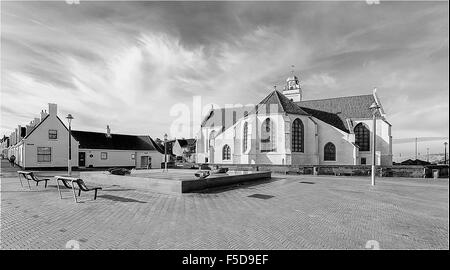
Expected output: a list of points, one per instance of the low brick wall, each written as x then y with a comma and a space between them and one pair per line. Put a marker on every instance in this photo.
357, 170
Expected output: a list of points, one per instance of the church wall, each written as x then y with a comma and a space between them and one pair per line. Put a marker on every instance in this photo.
345, 149
309, 156
384, 143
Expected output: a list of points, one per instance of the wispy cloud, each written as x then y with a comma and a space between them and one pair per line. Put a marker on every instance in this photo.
126, 64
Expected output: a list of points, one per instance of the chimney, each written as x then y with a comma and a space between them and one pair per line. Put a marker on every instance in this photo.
36, 121
108, 131
52, 109
43, 115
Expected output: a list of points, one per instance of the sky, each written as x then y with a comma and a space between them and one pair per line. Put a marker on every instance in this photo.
141, 66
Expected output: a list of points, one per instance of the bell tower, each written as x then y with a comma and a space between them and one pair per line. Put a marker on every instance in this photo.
292, 90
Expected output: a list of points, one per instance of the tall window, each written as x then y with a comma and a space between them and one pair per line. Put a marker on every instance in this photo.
245, 137
52, 134
104, 155
226, 152
268, 136
298, 136
44, 154
329, 152
362, 137
212, 135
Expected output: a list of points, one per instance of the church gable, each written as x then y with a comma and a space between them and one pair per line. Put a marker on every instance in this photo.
282, 104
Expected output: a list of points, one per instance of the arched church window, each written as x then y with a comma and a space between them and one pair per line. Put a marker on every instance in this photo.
226, 152
268, 136
329, 152
212, 135
245, 137
362, 137
298, 136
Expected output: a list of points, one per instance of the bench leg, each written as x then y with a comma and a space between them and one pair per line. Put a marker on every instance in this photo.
95, 194
45, 183
79, 192
37, 183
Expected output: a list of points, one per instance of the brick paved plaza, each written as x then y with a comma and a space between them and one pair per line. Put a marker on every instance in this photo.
305, 212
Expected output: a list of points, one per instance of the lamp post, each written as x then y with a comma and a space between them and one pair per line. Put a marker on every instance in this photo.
374, 108
165, 152
445, 153
69, 165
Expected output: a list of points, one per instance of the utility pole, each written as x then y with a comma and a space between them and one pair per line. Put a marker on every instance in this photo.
416, 147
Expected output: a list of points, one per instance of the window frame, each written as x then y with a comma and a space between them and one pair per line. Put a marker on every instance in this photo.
298, 136
50, 134
226, 152
41, 156
328, 154
271, 143
362, 137
245, 138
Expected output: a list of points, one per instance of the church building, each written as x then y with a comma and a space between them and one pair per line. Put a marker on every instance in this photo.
284, 129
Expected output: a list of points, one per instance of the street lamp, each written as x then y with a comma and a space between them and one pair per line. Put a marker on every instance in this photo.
374, 108
445, 153
165, 152
69, 165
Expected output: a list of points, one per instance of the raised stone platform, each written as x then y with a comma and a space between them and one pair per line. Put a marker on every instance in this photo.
176, 181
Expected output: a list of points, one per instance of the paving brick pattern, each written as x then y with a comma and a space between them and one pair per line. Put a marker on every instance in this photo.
328, 213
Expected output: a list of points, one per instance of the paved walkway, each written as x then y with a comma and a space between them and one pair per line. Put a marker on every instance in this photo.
305, 212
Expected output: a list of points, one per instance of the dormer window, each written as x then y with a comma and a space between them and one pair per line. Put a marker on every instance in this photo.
52, 134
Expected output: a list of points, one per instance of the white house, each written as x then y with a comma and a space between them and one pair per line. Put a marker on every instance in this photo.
44, 144
116, 150
285, 130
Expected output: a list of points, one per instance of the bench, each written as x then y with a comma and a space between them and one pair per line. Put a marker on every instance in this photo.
29, 176
343, 171
79, 182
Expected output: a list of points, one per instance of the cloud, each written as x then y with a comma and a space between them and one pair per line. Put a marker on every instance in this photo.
127, 63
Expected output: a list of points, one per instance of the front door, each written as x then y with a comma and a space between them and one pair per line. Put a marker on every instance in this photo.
81, 159
144, 162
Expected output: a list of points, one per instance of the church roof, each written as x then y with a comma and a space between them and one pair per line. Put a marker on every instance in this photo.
283, 104
336, 111
97, 140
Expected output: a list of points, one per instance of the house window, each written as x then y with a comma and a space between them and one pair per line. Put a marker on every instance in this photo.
133, 156
226, 152
267, 136
298, 136
362, 137
44, 154
103, 155
245, 137
52, 134
363, 161
329, 152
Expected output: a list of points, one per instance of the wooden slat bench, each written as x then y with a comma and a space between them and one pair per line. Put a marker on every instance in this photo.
80, 184
343, 171
29, 176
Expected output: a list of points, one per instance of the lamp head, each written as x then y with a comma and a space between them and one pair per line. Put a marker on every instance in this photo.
165, 137
69, 117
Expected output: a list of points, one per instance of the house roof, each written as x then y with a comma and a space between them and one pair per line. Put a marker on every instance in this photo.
336, 111
35, 127
186, 142
97, 140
